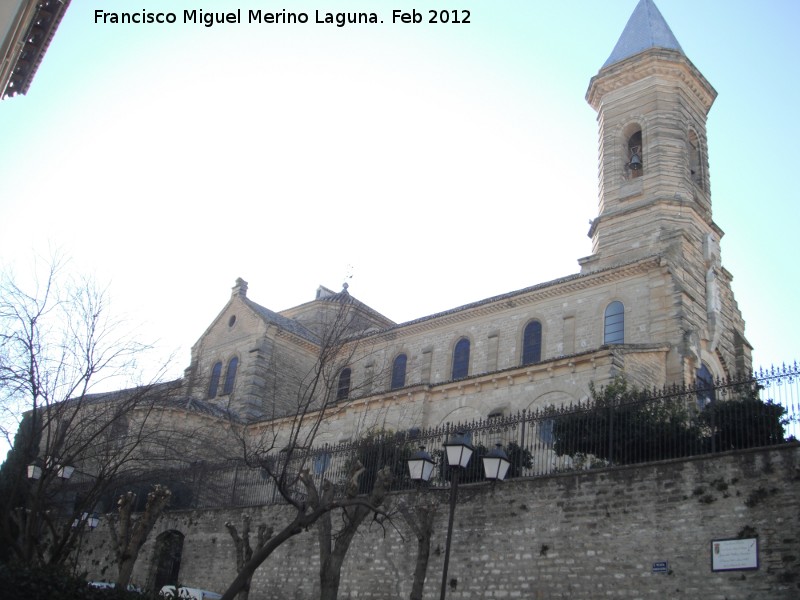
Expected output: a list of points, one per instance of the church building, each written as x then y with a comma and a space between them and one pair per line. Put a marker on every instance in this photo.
652, 301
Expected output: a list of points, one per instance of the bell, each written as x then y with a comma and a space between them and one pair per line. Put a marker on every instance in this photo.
636, 162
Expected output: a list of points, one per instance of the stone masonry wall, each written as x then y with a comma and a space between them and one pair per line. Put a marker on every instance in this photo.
589, 535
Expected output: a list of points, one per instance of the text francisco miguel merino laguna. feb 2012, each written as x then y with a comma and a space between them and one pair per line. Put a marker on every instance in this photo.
282, 17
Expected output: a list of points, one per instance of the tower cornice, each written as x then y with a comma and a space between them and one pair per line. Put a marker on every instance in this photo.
660, 62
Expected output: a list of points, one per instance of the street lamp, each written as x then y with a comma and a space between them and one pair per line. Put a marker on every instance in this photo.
420, 465
91, 521
458, 451
496, 464
63, 471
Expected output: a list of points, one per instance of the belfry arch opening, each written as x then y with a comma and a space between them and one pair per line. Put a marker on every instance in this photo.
633, 155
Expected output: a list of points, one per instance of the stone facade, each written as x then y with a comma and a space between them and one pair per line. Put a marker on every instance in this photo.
652, 302
574, 536
655, 258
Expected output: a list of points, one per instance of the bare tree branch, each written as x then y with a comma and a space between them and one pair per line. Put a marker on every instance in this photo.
58, 346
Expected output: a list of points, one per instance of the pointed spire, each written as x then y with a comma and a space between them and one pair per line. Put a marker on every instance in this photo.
645, 29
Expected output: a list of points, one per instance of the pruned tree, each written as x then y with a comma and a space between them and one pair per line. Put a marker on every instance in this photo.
334, 543
58, 346
283, 448
244, 549
306, 514
420, 518
129, 533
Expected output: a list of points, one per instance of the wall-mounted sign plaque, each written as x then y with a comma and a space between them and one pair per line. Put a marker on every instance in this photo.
734, 555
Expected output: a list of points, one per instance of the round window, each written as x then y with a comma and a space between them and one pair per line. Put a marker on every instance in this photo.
232, 320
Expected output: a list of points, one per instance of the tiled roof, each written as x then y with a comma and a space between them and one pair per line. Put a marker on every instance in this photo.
285, 323
344, 297
645, 29
166, 394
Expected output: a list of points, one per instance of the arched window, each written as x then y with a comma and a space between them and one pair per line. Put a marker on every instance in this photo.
634, 165
213, 386
705, 387
532, 343
614, 325
399, 371
461, 359
343, 388
230, 375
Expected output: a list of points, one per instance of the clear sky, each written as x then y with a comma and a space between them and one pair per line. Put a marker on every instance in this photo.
431, 164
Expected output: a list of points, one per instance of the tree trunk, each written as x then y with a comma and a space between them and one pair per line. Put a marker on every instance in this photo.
245, 574
302, 520
424, 532
130, 536
331, 567
125, 572
244, 551
331, 559
420, 519
330, 575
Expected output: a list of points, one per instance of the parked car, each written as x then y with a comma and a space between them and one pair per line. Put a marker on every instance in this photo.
183, 592
109, 585
102, 585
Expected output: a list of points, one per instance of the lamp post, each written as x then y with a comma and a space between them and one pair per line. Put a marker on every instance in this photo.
40, 474
458, 451
88, 520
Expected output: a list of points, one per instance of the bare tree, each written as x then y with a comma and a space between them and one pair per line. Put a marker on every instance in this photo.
420, 518
333, 544
129, 534
244, 550
58, 346
283, 448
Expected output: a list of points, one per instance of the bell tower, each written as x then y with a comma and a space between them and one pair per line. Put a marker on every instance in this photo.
651, 104
655, 198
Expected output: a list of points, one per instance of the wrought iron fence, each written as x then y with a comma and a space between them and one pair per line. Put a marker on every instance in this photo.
617, 427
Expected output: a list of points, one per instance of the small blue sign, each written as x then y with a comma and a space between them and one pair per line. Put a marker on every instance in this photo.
660, 567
